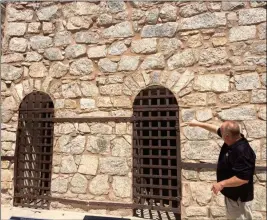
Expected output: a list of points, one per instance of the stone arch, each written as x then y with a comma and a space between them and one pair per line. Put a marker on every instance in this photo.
33, 153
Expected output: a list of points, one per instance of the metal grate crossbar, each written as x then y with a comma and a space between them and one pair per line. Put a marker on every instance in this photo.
34, 148
156, 156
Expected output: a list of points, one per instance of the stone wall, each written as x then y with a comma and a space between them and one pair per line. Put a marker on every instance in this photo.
93, 58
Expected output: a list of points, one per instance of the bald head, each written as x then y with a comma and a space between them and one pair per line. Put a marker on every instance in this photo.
231, 128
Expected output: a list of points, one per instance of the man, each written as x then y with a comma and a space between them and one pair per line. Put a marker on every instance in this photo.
235, 169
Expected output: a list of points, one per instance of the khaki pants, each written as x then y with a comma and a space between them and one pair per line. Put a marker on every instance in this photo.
237, 210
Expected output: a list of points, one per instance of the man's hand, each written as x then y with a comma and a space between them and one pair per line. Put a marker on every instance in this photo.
217, 187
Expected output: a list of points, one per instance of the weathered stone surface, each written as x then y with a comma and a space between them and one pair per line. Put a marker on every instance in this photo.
65, 128
99, 189
80, 8
59, 185
228, 6
81, 67
121, 148
212, 82
207, 175
48, 27
192, 9
182, 59
87, 103
128, 63
256, 128
246, 112
120, 128
38, 70
104, 20
74, 51
15, 29
78, 183
123, 29
238, 48
234, 97
213, 56
53, 54
204, 114
122, 186
89, 89
8, 136
113, 166
8, 146
202, 150
12, 58
168, 46
241, 33
201, 193
40, 42
247, 81
195, 41
262, 112
254, 60
152, 16
99, 144
117, 48
47, 13
155, 61
18, 15
188, 114
144, 46
258, 96
205, 20
87, 37
189, 174
77, 23
115, 7
112, 89
33, 56
218, 211
219, 41
101, 129
34, 27
122, 102
88, 165
62, 38
137, 14
168, 12
263, 79
71, 90
9, 103
258, 48
251, 16
103, 102
259, 202
107, 66
97, 52
196, 211
159, 30
68, 165
195, 99
184, 80
18, 44
195, 133
9, 72
262, 30
6, 175
58, 69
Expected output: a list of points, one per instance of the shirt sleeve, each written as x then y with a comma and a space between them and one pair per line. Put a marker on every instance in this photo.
243, 167
219, 132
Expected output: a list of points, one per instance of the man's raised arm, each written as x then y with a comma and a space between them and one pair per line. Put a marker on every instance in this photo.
209, 127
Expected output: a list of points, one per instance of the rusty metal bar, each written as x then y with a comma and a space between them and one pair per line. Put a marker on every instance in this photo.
93, 119
7, 158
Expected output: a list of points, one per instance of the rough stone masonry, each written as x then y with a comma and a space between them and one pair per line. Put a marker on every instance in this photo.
92, 59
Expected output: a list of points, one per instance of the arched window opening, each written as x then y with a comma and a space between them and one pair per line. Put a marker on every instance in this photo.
156, 155
34, 149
